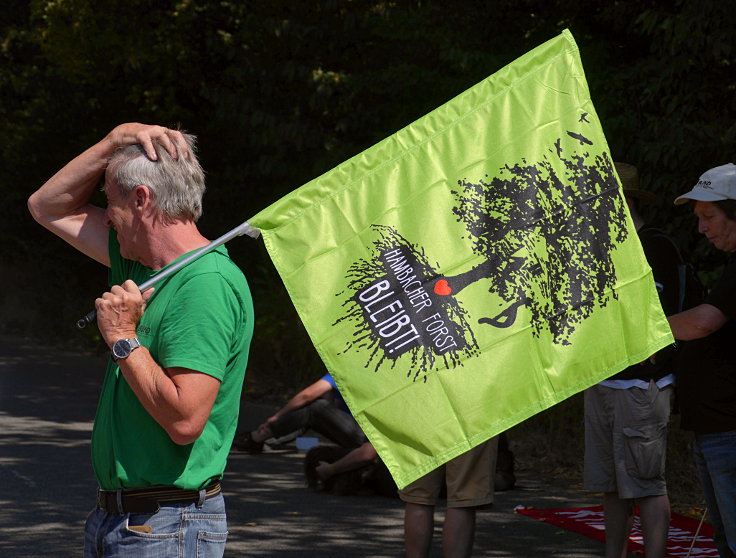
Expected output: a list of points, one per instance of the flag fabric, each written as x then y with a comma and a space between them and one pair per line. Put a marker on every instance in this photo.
474, 268
686, 537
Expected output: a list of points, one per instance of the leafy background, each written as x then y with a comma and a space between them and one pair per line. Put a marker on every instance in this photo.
281, 91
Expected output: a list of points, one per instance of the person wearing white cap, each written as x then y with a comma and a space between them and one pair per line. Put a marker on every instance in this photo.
706, 375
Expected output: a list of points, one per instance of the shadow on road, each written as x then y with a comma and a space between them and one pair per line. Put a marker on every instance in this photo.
47, 403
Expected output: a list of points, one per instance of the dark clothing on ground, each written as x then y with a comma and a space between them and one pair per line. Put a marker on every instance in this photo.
321, 416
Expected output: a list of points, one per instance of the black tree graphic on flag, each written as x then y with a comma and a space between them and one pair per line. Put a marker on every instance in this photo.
544, 234
546, 240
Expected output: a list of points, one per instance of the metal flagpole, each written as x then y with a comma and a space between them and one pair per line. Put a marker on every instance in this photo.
240, 230
697, 532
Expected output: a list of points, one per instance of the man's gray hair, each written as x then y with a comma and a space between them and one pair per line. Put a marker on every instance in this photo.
176, 185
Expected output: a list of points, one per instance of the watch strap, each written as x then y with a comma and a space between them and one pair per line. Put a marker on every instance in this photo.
133, 344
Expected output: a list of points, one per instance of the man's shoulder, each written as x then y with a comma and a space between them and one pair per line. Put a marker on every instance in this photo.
212, 284
215, 265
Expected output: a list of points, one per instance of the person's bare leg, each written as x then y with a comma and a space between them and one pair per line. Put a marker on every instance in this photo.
458, 533
618, 515
654, 514
418, 528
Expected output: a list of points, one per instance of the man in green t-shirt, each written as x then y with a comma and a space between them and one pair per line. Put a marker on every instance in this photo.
169, 403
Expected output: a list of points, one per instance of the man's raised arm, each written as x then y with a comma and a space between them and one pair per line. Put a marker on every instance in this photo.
62, 203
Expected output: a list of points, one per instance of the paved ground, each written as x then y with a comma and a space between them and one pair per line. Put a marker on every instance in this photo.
47, 401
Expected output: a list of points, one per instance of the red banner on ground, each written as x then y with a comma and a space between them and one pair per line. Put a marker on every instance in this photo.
589, 522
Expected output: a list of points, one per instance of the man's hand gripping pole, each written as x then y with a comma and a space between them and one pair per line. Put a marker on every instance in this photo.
240, 230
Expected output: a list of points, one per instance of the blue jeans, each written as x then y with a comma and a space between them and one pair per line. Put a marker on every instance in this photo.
715, 458
187, 531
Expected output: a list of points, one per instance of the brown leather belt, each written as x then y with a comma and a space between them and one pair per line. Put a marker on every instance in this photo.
148, 500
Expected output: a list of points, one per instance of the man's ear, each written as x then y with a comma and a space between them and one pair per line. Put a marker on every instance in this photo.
142, 196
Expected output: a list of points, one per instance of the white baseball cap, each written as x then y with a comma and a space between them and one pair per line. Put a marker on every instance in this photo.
716, 184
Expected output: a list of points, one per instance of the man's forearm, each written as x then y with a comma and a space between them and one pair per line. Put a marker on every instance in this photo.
71, 188
697, 322
179, 403
353, 460
62, 203
178, 399
304, 397
296, 402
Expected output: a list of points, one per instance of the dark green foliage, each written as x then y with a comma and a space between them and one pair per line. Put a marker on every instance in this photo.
279, 92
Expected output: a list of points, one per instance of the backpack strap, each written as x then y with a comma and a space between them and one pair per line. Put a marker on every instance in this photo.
682, 274
654, 232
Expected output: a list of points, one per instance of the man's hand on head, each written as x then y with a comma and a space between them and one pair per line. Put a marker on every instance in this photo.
119, 311
145, 135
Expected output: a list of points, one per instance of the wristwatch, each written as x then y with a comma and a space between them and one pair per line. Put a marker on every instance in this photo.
123, 347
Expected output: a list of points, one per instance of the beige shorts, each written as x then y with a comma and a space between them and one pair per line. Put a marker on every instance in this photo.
626, 440
469, 479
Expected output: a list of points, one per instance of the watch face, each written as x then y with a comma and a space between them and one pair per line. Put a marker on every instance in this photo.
121, 348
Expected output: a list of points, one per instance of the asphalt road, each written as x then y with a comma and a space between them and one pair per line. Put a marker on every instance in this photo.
47, 403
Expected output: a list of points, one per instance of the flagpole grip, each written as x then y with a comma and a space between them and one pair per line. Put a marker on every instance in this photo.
88, 319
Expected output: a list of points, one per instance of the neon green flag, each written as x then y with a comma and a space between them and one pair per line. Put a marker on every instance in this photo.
474, 268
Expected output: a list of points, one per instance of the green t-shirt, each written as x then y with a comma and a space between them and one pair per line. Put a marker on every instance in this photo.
200, 318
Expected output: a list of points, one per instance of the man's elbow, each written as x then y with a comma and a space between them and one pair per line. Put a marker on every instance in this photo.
184, 433
34, 207
40, 211
705, 329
